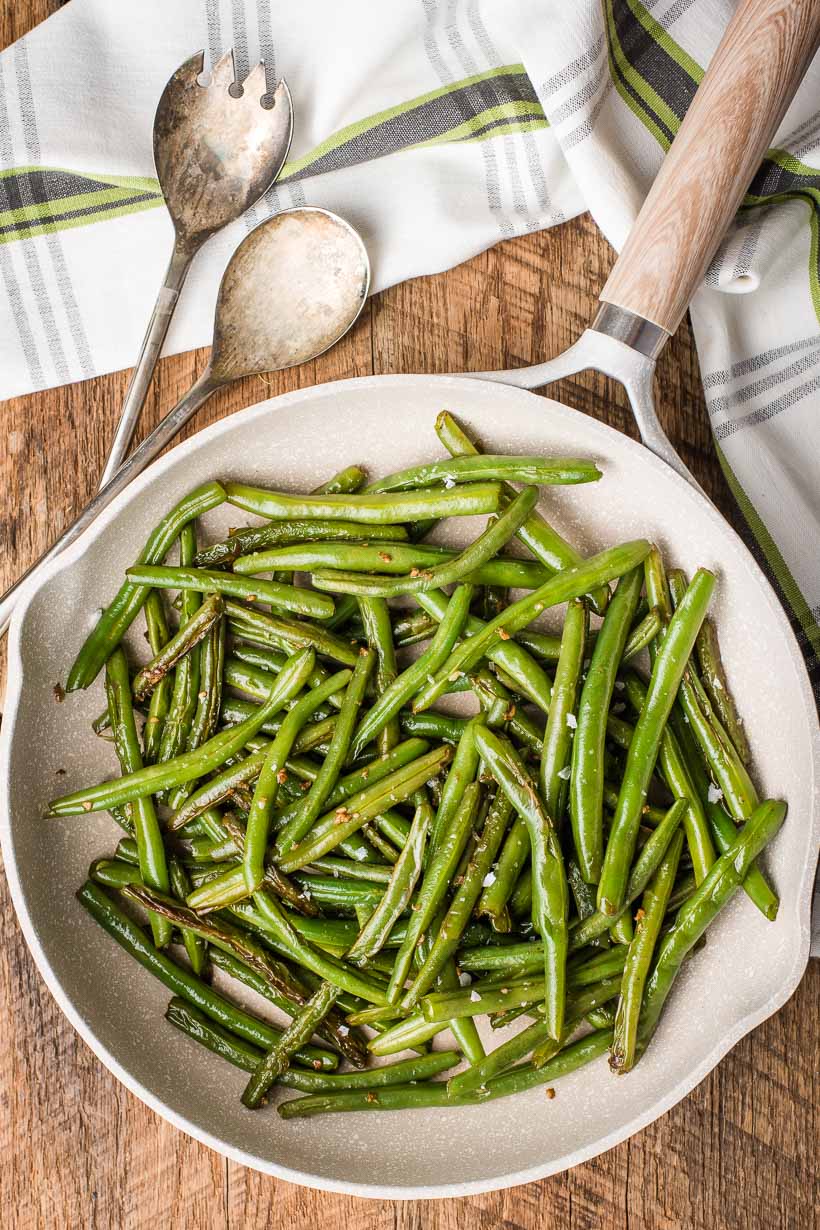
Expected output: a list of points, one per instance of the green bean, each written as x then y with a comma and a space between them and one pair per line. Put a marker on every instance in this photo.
277, 1058
129, 599
195, 948
601, 1018
557, 747
342, 822
267, 783
432, 726
714, 680
130, 936
533, 471
114, 872
446, 847
376, 873
158, 636
378, 633
724, 879
342, 894
189, 635
209, 701
272, 919
462, 772
534, 1036
545, 543
276, 594
380, 509
151, 851
242, 1055
530, 679
310, 808
289, 635
373, 935
724, 763
186, 677
639, 958
223, 935
678, 778
586, 784
435, 1093
644, 867
391, 559
281, 533
314, 736
349, 1042
514, 853
405, 686
496, 700
190, 765
256, 681
457, 568
550, 904
571, 583
642, 634
366, 775
221, 787
722, 828
464, 899
667, 672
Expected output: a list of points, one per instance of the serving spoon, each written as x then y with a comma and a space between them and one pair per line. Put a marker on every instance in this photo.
292, 289
217, 149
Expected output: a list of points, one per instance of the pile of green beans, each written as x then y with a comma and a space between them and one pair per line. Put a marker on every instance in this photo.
303, 822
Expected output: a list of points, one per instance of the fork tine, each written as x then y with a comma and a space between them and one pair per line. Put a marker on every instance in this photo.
223, 72
255, 84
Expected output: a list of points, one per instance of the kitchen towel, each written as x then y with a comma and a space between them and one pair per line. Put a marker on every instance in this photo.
438, 127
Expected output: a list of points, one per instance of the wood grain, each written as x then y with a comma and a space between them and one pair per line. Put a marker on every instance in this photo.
76, 1149
750, 81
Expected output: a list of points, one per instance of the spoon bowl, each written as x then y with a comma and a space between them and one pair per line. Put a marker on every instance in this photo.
291, 290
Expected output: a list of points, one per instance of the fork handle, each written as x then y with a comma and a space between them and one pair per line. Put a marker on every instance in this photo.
143, 372
752, 78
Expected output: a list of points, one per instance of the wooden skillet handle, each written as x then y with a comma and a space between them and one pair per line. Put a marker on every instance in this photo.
748, 86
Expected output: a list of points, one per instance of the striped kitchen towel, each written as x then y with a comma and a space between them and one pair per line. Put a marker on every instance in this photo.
437, 127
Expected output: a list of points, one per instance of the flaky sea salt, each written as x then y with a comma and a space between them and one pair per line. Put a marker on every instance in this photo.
449, 482
714, 794
464, 979
343, 1030
488, 879
564, 773
475, 998
572, 721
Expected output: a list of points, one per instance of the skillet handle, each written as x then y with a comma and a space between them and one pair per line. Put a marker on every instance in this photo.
752, 78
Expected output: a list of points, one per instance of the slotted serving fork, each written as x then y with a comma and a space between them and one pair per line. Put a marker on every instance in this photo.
218, 147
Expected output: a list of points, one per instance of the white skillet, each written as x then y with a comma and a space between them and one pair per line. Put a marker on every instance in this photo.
749, 967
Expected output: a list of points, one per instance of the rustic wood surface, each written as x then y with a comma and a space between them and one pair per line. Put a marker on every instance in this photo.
76, 1149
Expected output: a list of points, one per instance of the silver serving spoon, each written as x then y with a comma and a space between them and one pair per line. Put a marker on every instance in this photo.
293, 287
217, 149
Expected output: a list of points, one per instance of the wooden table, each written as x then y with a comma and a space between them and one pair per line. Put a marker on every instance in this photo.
76, 1149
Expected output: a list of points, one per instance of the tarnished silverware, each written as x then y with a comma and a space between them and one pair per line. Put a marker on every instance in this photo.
293, 287
217, 149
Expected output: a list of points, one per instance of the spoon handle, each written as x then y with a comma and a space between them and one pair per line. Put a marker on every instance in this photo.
148, 358
151, 446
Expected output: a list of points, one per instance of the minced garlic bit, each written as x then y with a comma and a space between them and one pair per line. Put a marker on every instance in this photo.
550, 1092
282, 776
503, 634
